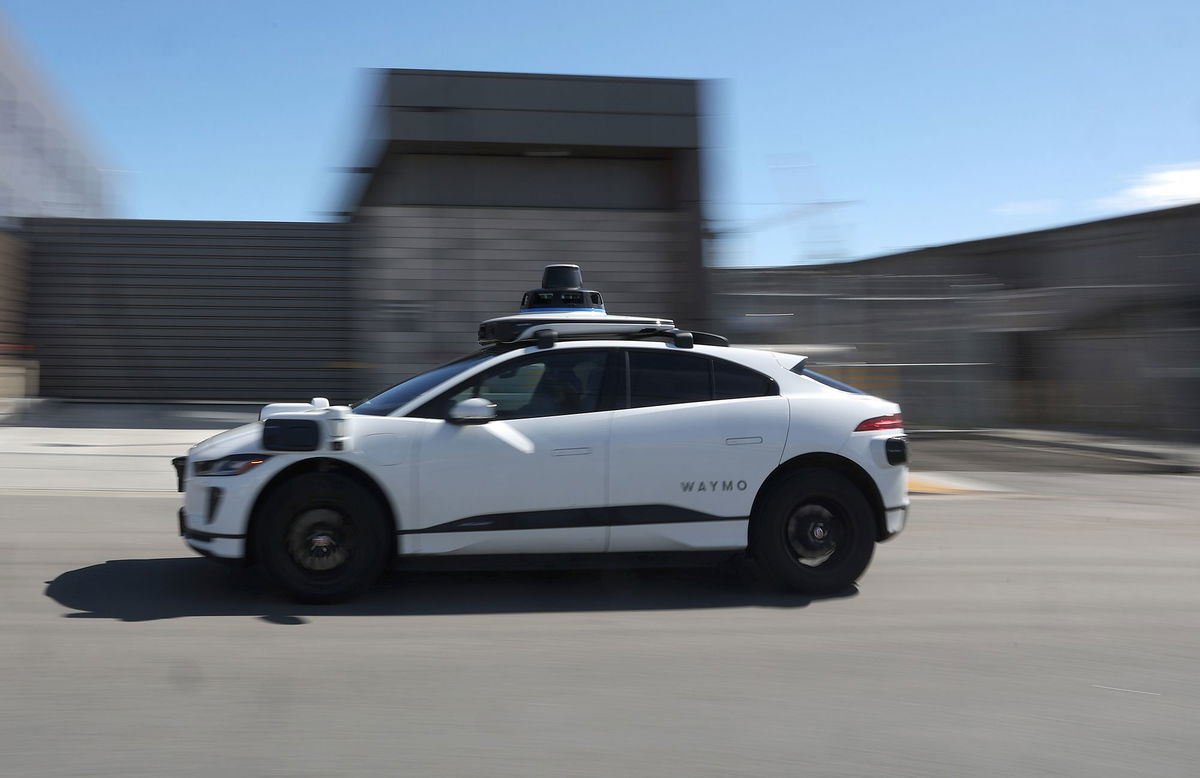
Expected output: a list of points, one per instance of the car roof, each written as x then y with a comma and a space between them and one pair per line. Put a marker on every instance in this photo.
771, 362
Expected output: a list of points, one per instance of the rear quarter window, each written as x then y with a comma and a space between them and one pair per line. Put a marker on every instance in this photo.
732, 381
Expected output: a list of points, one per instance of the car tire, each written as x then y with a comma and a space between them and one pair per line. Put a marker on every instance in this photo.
322, 538
813, 533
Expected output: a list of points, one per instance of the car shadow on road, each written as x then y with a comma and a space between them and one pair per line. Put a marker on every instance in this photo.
151, 589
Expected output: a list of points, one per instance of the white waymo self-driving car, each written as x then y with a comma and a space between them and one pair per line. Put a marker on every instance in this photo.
572, 437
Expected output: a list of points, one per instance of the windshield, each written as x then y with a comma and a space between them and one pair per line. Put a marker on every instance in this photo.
387, 401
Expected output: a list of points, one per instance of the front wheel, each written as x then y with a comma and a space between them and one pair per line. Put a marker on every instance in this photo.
323, 538
814, 533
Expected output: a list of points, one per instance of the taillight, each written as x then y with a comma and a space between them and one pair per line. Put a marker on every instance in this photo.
893, 422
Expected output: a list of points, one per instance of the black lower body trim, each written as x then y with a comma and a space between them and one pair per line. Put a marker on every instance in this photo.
883, 535
617, 516
188, 533
225, 560
204, 537
596, 561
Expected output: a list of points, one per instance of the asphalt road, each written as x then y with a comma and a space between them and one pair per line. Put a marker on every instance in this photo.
1049, 627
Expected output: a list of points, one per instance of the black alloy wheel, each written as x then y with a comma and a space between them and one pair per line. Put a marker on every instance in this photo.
322, 537
814, 533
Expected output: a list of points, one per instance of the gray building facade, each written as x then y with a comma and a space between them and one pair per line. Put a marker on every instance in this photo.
1094, 325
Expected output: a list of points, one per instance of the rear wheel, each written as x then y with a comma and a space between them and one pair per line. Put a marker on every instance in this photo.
814, 533
323, 538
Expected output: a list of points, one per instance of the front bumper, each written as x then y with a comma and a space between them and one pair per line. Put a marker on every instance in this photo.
212, 544
180, 465
894, 521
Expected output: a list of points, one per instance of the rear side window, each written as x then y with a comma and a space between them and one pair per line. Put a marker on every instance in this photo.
666, 378
732, 381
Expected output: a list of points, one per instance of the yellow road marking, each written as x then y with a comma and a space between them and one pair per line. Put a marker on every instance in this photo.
919, 484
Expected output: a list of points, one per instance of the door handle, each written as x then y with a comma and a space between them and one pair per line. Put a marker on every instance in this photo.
743, 441
571, 452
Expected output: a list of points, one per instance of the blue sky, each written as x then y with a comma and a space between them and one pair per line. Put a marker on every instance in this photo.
927, 122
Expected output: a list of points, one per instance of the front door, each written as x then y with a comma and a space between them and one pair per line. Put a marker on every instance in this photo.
531, 481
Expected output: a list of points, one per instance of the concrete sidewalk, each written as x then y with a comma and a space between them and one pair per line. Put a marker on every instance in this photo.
92, 458
1170, 457
38, 412
49, 445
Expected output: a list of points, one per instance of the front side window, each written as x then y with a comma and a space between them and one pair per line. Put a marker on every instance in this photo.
555, 383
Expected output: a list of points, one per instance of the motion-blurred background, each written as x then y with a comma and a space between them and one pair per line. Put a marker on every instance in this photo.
460, 185
207, 204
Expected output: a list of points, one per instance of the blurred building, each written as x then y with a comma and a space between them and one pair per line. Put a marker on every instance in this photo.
18, 376
472, 182
1093, 325
45, 167
45, 170
476, 181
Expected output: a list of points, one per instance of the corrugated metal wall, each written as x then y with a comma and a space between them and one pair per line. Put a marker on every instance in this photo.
180, 310
18, 375
12, 293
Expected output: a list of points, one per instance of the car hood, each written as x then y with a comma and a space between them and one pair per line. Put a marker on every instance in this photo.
246, 439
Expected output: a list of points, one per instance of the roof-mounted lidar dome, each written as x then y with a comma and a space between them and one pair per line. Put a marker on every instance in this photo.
561, 291
561, 309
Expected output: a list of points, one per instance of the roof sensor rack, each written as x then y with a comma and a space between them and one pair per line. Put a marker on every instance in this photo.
697, 338
682, 338
561, 310
709, 339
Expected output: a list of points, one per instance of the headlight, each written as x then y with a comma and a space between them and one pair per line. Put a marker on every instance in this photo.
230, 465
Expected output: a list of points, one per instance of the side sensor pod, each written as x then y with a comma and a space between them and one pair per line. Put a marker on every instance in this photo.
546, 338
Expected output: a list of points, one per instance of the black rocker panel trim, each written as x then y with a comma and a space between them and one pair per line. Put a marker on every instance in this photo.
598, 560
201, 535
618, 516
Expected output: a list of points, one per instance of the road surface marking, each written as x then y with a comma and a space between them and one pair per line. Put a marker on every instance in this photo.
1117, 689
924, 484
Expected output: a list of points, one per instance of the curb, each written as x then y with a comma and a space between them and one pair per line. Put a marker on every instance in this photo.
1173, 458
15, 410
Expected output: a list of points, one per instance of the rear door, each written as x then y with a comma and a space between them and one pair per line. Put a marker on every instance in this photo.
689, 453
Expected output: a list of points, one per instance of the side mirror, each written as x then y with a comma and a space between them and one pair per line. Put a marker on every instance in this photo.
473, 410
